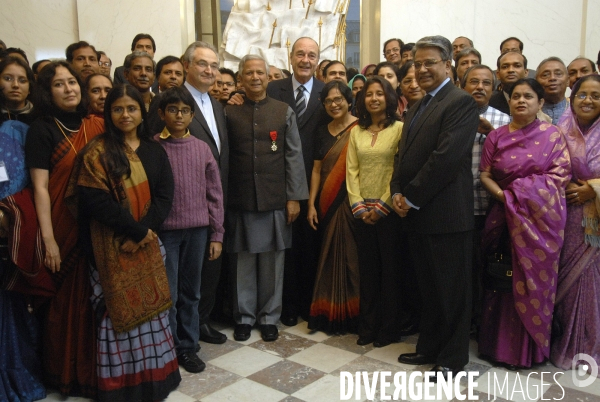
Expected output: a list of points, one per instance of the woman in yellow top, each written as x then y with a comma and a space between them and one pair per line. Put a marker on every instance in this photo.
369, 165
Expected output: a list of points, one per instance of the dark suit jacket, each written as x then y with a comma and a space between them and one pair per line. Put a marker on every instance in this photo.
433, 165
199, 129
498, 101
314, 116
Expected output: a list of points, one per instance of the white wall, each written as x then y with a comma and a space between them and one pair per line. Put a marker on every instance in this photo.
547, 28
44, 28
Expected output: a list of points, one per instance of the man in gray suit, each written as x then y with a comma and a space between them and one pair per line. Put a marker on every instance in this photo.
266, 182
432, 189
201, 62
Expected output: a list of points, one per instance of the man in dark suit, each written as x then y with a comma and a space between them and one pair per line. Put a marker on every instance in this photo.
432, 189
201, 62
301, 92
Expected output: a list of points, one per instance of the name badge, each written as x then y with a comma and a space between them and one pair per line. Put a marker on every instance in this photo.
3, 172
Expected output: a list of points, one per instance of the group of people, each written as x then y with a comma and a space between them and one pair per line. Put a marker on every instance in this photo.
375, 203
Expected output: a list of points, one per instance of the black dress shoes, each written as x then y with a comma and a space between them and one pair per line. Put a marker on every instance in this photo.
289, 320
210, 335
383, 342
191, 362
415, 359
364, 340
269, 333
409, 330
445, 371
242, 332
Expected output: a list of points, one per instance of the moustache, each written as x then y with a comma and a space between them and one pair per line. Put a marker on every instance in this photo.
143, 79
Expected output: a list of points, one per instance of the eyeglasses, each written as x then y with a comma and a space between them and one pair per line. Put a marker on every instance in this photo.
186, 111
229, 83
392, 50
104, 64
475, 82
204, 65
583, 95
337, 100
10, 78
121, 110
427, 64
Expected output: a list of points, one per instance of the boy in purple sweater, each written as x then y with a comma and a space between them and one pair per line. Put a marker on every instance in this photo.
196, 214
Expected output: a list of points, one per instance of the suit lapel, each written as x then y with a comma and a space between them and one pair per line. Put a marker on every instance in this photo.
287, 93
220, 122
199, 117
414, 130
313, 102
433, 104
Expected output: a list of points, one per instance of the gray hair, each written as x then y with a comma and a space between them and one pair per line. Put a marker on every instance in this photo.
249, 57
307, 37
134, 55
188, 56
437, 41
465, 52
549, 59
463, 79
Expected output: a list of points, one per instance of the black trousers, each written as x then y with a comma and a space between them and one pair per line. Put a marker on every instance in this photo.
382, 313
209, 283
478, 265
443, 268
300, 267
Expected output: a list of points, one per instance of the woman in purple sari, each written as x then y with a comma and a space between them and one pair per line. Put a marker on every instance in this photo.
577, 312
525, 166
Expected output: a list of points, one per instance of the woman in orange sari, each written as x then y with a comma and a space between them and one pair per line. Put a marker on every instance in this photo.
334, 307
53, 142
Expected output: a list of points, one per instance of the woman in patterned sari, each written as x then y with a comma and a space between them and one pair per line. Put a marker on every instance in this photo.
334, 307
125, 187
53, 142
525, 166
577, 312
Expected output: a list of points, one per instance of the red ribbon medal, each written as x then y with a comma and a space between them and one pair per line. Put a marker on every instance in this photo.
273, 135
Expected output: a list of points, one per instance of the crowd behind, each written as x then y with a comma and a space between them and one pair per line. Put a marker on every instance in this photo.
431, 193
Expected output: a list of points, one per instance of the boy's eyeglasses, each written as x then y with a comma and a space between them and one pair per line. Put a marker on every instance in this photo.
174, 111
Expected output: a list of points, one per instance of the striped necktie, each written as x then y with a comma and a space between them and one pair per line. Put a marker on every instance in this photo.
422, 107
300, 103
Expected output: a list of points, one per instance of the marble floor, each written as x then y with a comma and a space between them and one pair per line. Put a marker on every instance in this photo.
306, 366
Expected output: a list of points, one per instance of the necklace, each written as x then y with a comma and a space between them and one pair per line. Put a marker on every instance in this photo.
59, 124
374, 132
